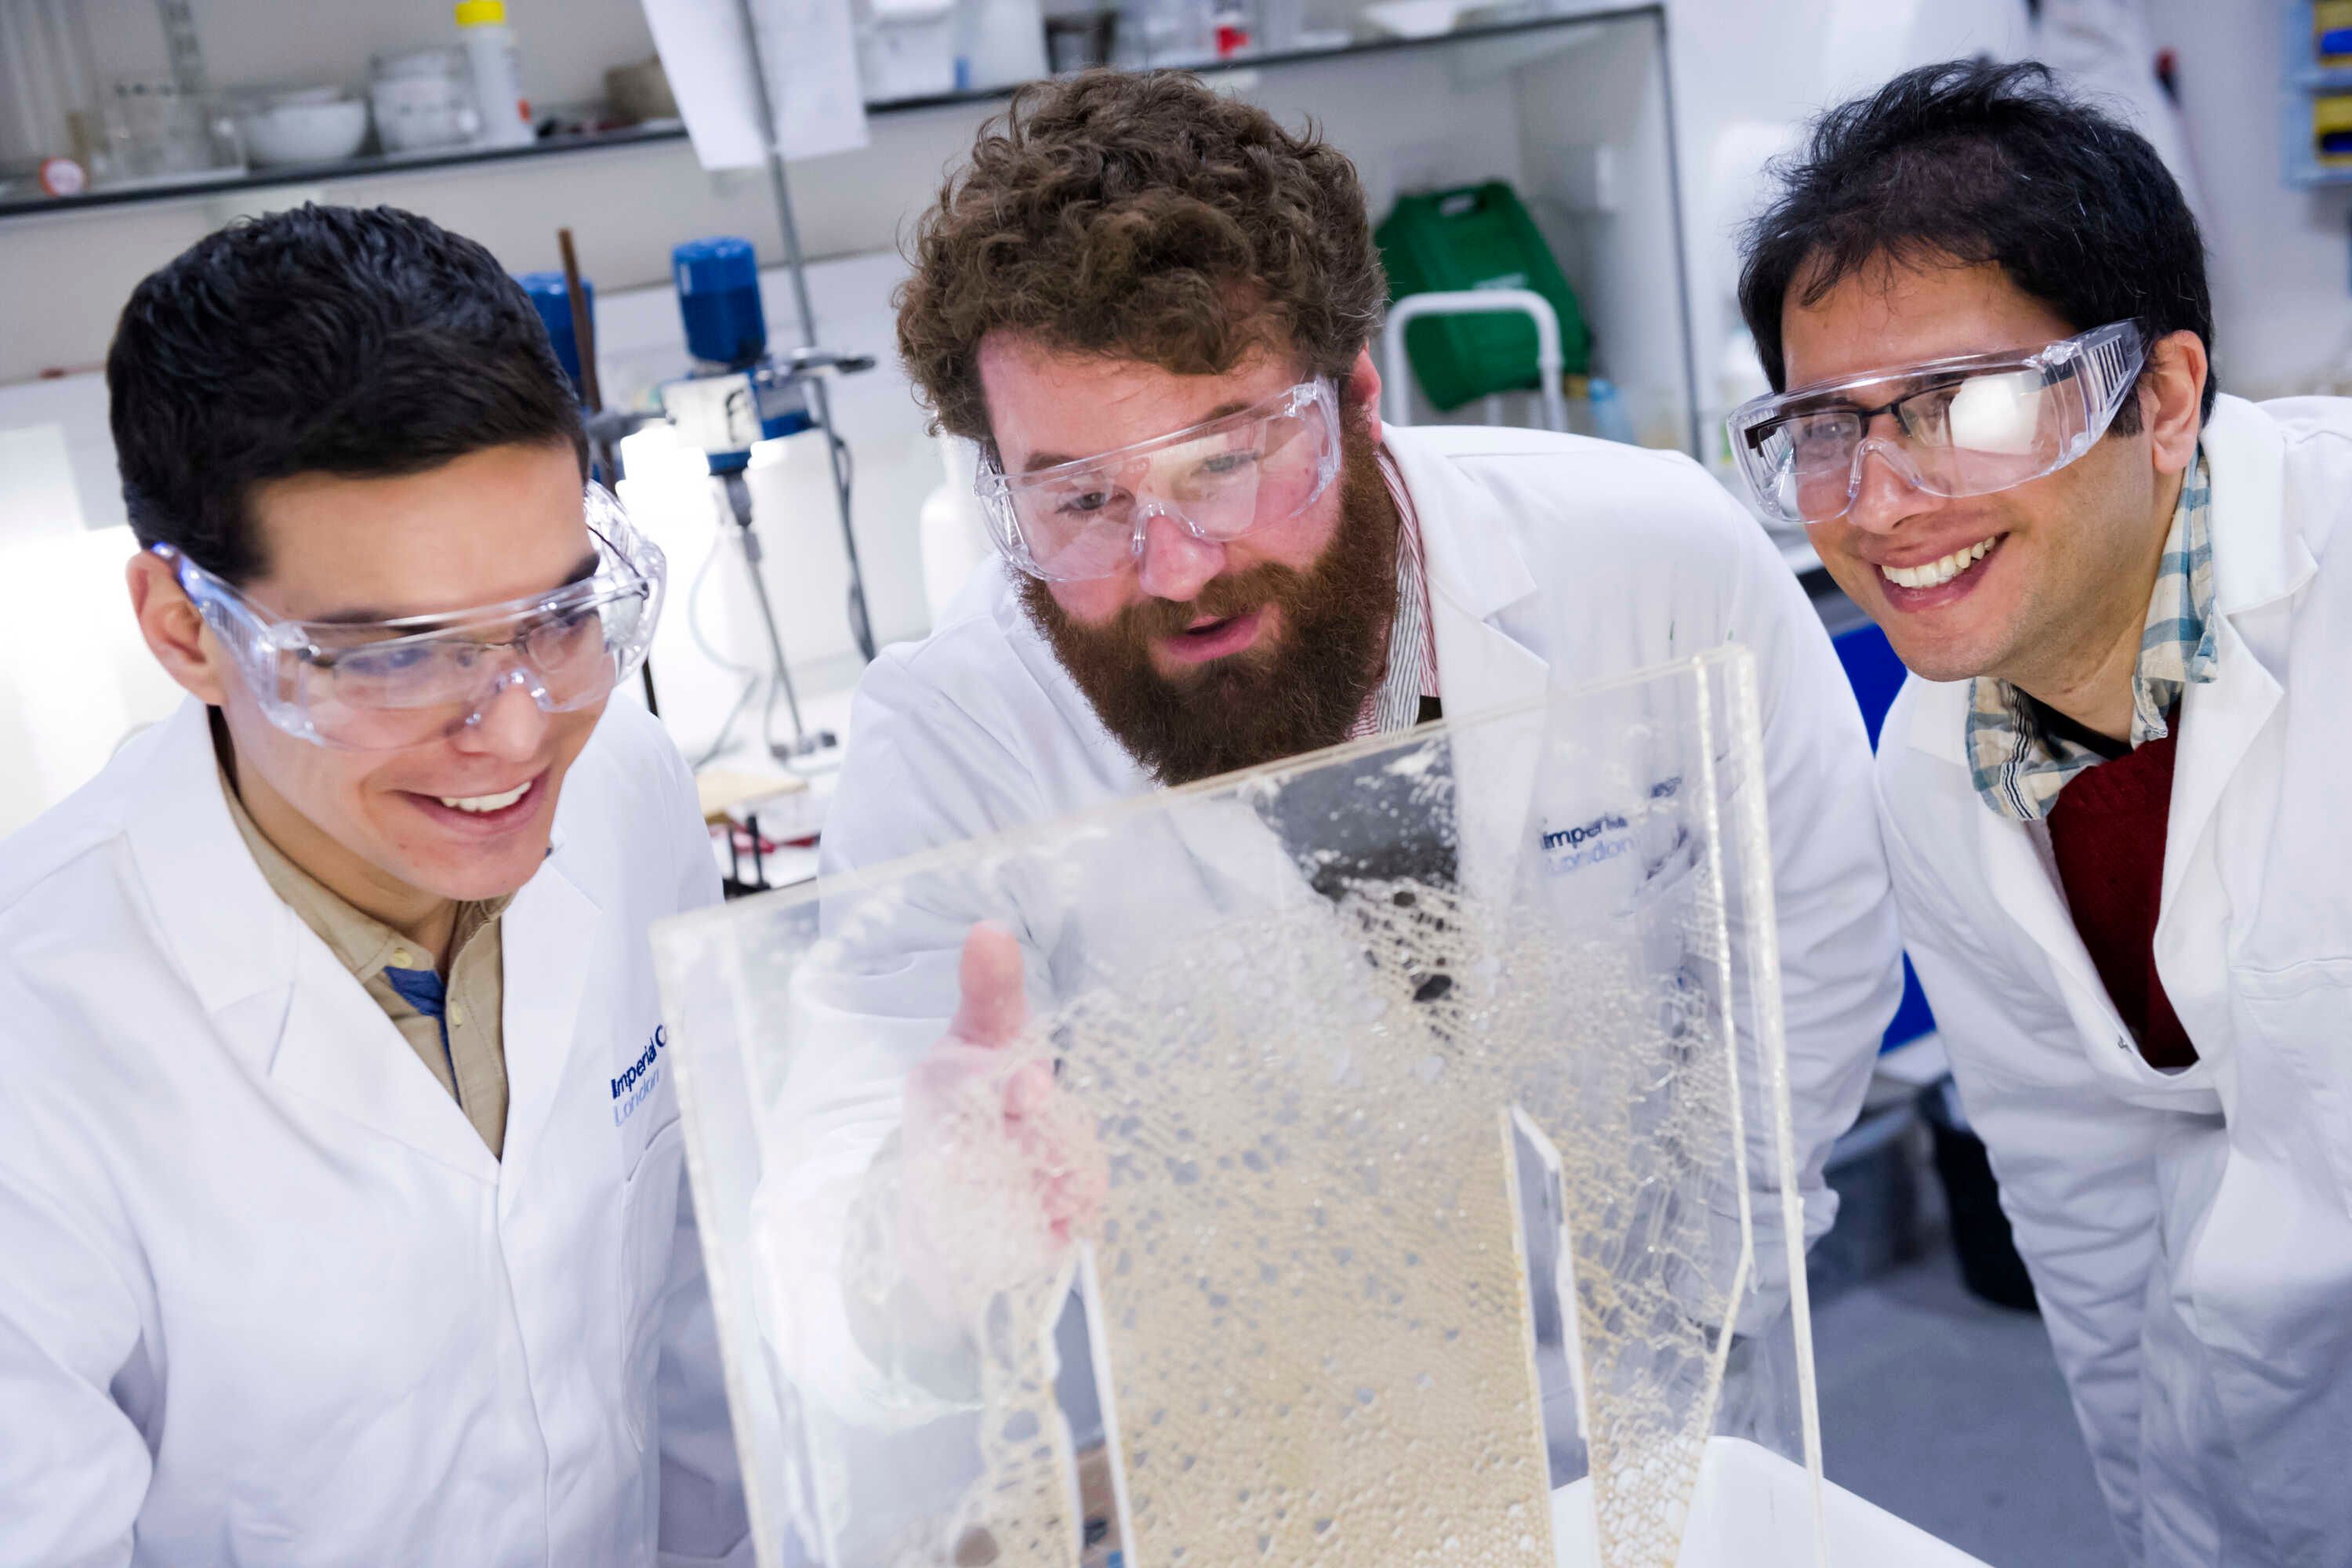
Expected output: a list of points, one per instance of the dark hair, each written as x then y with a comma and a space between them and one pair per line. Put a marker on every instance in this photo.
1972, 163
1143, 217
325, 340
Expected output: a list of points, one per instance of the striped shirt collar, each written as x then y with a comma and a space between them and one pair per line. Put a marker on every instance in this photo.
1412, 674
2017, 766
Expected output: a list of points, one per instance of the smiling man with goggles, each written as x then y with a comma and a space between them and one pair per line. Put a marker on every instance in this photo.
384, 685
1220, 479
1960, 427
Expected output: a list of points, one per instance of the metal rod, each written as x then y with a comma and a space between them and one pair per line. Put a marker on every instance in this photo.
739, 501
1682, 239
583, 325
861, 625
584, 339
820, 404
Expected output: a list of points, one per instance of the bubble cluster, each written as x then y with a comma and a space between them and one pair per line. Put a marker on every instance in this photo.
1311, 1284
1305, 1098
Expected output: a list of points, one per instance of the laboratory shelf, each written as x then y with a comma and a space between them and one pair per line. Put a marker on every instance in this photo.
1554, 19
360, 168
1526, 25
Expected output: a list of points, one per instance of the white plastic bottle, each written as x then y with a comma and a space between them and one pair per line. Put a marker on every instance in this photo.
1003, 42
498, 73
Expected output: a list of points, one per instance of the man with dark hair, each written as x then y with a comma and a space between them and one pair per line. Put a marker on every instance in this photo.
339, 1178
2111, 794
1150, 305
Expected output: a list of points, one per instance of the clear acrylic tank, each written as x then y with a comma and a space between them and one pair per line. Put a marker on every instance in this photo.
1387, 1163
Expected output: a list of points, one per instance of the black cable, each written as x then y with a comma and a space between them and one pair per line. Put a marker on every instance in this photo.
861, 628
694, 628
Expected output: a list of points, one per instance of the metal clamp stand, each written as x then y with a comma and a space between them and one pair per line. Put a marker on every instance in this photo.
820, 399
804, 742
735, 885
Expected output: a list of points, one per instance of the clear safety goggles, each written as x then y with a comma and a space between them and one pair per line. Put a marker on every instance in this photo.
381, 685
1965, 426
1219, 480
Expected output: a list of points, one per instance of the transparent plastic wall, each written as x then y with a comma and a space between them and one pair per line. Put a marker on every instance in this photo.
1381, 1158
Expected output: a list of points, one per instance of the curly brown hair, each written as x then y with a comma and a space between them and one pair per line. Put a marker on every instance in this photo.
1138, 215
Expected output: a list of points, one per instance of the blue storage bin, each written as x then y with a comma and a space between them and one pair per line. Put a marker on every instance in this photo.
1877, 675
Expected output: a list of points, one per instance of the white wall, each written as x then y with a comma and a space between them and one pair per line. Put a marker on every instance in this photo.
2281, 258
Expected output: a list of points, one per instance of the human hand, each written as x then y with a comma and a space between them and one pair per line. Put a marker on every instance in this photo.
1001, 1169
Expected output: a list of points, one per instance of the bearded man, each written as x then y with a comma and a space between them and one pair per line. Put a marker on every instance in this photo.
1149, 305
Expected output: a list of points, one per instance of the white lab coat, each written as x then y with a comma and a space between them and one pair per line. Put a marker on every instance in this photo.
1551, 561
268, 1297
2189, 1234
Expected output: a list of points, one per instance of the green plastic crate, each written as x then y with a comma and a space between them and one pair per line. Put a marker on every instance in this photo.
1476, 237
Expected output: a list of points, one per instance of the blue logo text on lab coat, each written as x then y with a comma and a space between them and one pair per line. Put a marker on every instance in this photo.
1586, 844
1602, 838
632, 1087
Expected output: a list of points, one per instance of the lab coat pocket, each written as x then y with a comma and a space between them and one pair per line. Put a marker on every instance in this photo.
1662, 906
2297, 1023
2260, 1380
649, 1199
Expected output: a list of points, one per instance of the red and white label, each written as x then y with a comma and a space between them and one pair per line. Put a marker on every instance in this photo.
63, 177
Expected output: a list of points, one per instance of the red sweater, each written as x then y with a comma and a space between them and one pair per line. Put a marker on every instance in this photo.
2107, 834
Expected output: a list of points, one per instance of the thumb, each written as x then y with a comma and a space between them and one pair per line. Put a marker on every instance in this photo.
993, 1008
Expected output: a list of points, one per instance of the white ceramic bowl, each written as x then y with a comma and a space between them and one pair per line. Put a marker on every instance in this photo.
1416, 18
303, 132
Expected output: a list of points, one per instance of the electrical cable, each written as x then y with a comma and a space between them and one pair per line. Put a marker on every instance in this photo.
861, 628
752, 678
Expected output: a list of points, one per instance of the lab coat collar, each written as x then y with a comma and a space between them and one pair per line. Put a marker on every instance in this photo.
2259, 560
230, 936
1939, 719
2259, 552
549, 934
233, 940
337, 1047
1476, 573
236, 942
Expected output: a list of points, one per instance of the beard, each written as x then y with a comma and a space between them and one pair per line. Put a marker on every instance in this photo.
1299, 693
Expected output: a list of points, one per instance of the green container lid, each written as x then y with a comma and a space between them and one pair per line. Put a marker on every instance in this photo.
1476, 237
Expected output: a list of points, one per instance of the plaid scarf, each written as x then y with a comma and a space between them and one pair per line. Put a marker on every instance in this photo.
2017, 769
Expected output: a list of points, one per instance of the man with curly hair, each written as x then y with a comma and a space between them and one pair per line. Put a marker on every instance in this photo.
1149, 305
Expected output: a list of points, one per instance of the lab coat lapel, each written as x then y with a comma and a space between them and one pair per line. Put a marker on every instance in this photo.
338, 1049
2023, 885
230, 937
550, 936
2259, 559
1475, 573
241, 950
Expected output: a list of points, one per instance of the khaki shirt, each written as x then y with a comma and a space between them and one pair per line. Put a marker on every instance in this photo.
472, 1066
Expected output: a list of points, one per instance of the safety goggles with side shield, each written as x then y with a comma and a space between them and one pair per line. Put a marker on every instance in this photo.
1961, 426
383, 685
